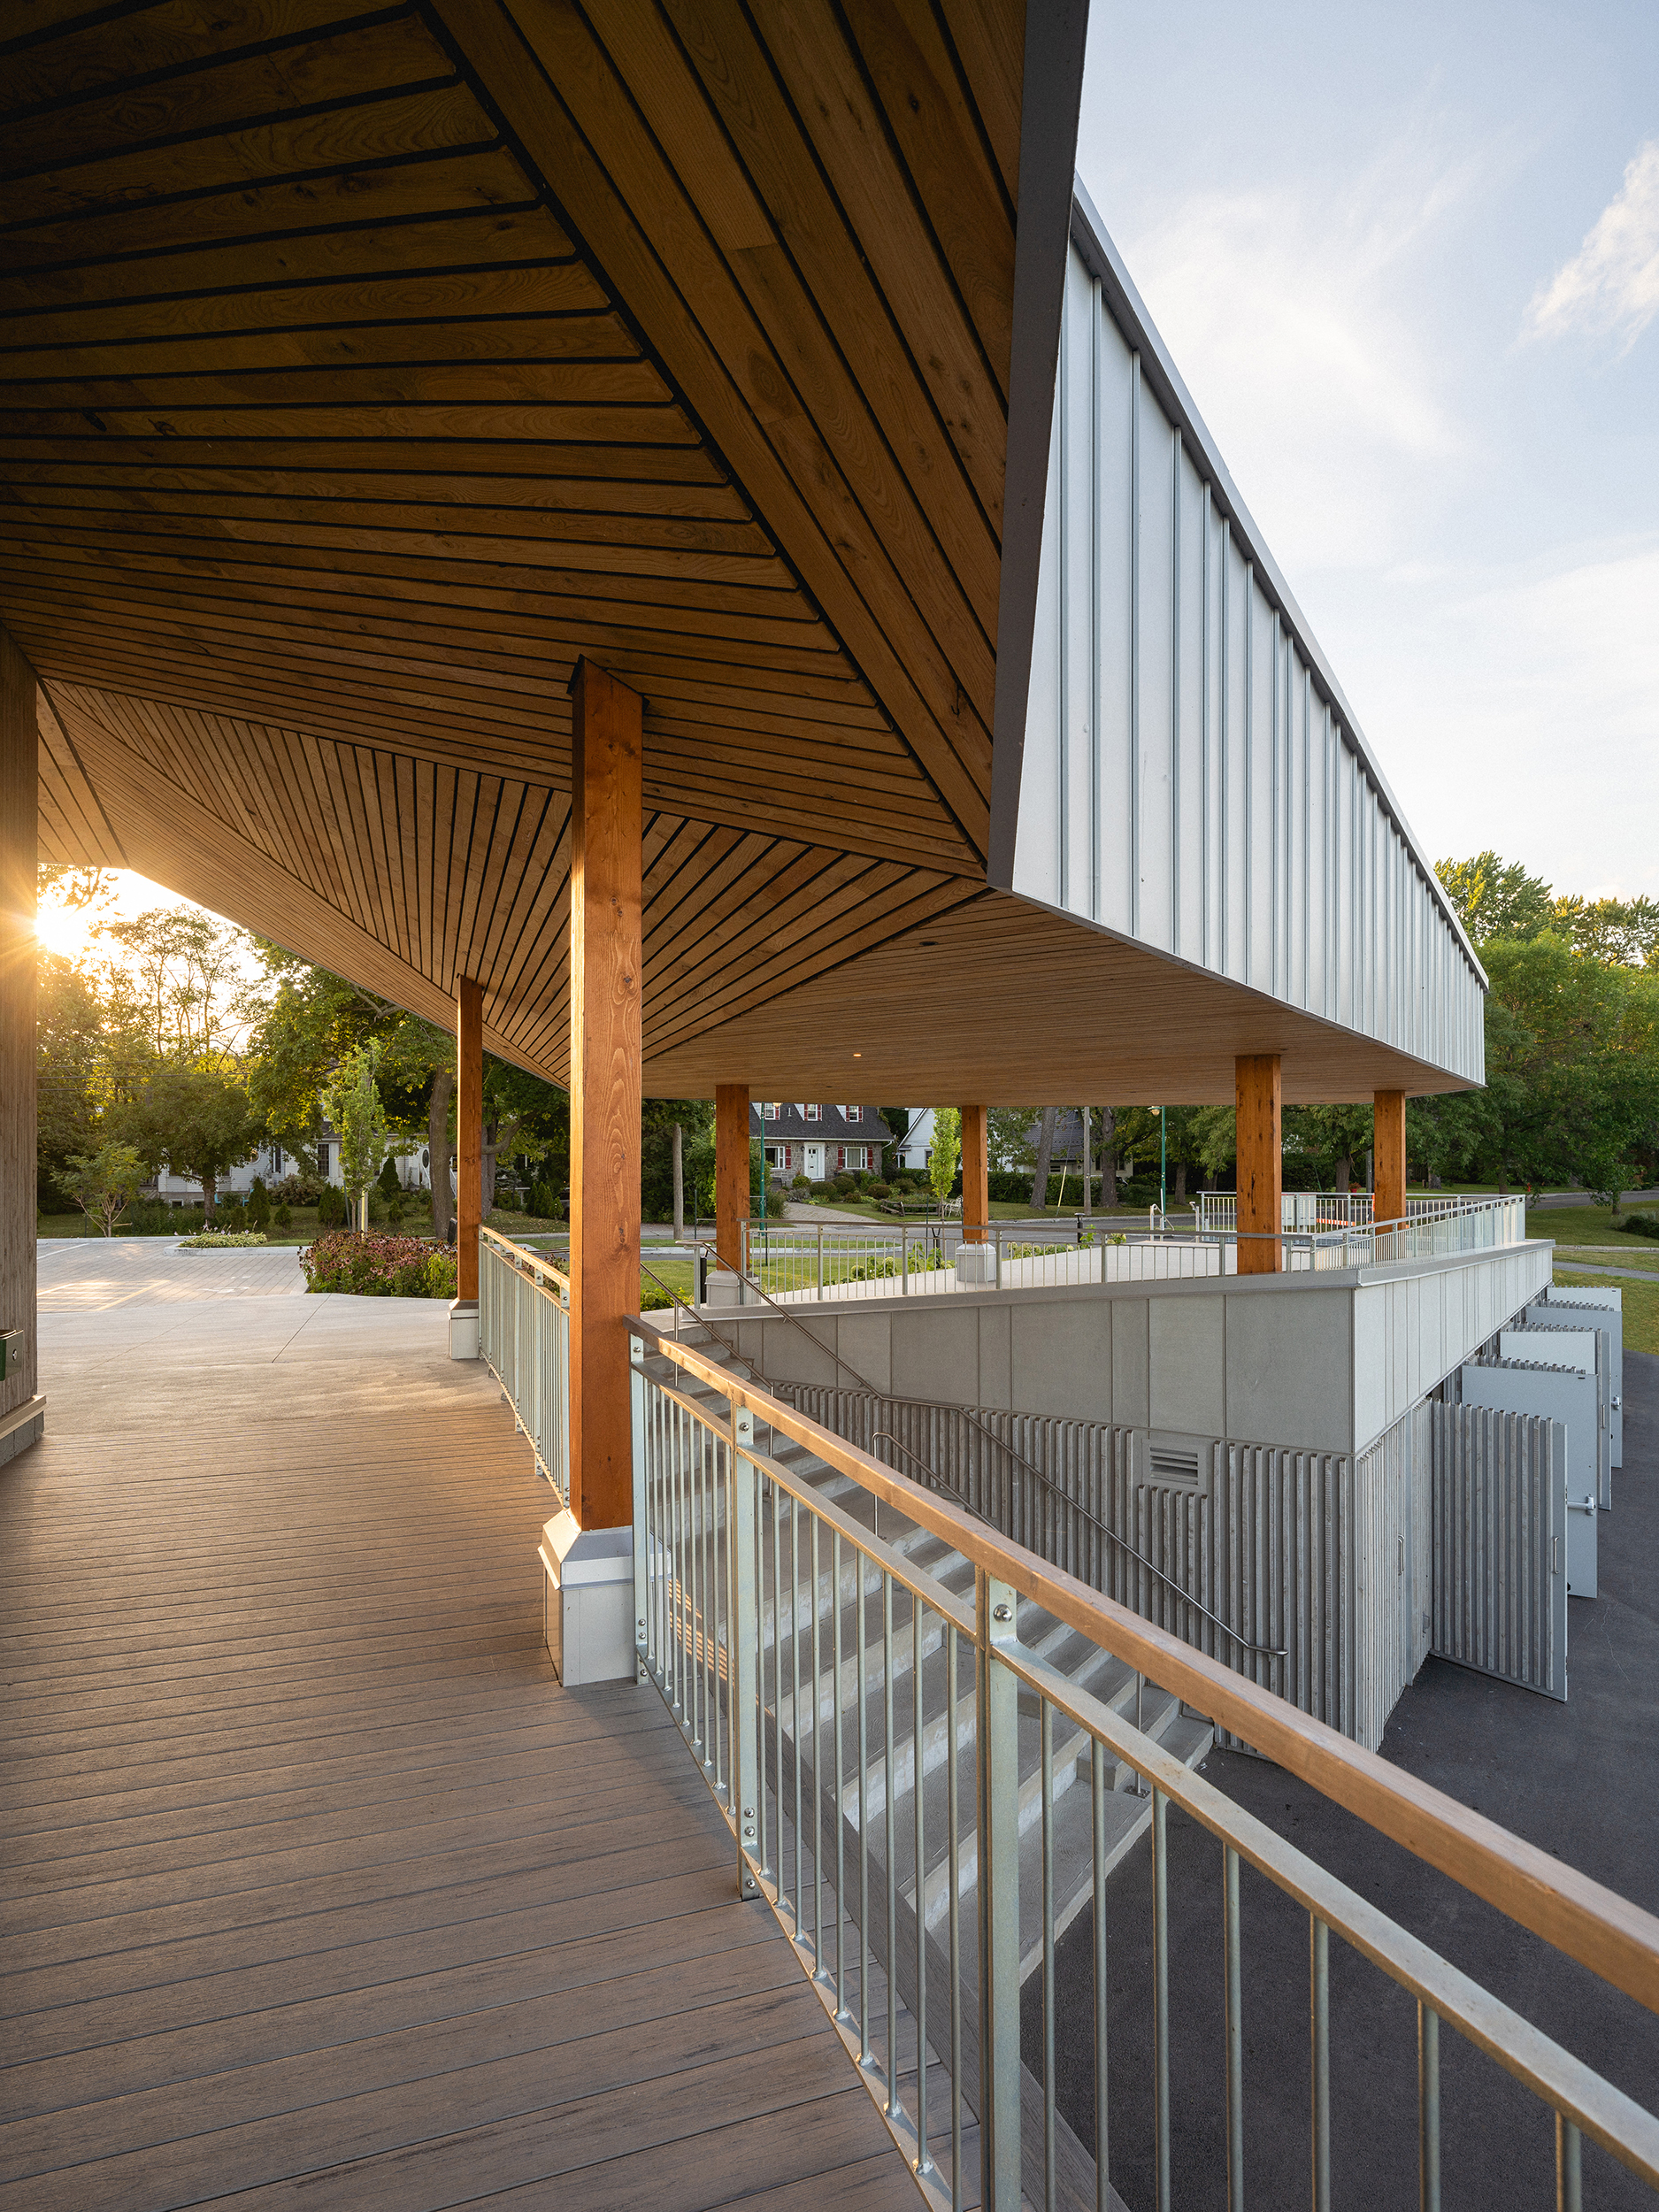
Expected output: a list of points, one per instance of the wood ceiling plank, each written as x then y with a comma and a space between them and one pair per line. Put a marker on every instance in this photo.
989, 39
619, 535
638, 468
89, 58
922, 703
443, 121
937, 131
838, 336
474, 237
423, 300
296, 218
850, 139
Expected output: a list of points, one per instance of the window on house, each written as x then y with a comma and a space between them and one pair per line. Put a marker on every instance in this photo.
771, 1113
815, 1113
854, 1113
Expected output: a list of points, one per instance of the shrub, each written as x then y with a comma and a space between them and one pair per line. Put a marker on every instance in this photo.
294, 1189
545, 1201
1641, 1225
259, 1204
388, 1182
802, 1182
844, 1185
283, 1215
218, 1239
230, 1212
378, 1267
332, 1208
879, 1190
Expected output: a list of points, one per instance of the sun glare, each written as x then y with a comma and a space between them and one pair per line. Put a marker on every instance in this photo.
62, 930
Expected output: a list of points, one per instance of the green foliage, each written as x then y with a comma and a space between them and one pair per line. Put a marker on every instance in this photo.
104, 1184
379, 1267
388, 1182
350, 1102
283, 1215
657, 1117
1642, 1225
945, 1155
258, 1206
1497, 899
220, 1240
197, 1119
332, 1209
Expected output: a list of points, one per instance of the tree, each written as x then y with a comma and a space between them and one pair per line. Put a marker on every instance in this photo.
1494, 897
351, 1100
197, 1119
657, 1120
898, 1120
1010, 1133
189, 975
102, 1183
1331, 1138
945, 1155
1045, 1153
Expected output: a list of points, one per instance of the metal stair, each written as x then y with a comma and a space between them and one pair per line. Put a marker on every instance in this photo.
861, 1621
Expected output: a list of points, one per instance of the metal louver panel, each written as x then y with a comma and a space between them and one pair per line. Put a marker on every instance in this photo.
1500, 1543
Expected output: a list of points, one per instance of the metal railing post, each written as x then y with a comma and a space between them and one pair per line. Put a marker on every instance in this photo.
820, 1263
637, 1400
997, 1738
743, 1646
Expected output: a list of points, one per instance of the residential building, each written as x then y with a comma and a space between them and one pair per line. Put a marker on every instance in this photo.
819, 1142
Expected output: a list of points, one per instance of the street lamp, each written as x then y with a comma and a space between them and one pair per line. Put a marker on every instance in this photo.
1163, 1165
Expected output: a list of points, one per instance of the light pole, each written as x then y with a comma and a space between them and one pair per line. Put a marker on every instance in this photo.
1164, 1167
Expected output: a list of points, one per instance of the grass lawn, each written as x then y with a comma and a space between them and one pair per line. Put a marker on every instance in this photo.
1641, 1301
1588, 1225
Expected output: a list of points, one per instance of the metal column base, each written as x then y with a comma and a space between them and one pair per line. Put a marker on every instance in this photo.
464, 1329
587, 1601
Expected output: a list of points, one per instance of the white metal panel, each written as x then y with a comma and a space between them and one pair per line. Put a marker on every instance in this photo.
1567, 1395
1502, 1540
1191, 778
1607, 1307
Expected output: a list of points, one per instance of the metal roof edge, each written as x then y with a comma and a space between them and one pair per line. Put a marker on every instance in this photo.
1129, 312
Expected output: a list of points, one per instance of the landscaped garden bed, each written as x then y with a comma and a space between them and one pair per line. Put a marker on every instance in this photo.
376, 1266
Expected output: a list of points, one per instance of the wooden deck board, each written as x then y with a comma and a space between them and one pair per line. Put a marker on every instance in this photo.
317, 1888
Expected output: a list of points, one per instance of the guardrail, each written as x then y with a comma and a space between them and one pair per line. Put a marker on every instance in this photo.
803, 1262
524, 1337
751, 1583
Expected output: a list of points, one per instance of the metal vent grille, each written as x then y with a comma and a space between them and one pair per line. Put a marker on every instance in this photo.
1167, 1464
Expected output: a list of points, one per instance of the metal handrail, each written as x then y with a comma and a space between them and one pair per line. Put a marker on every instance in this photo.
526, 1261
1264, 1651
684, 1305
1580, 1917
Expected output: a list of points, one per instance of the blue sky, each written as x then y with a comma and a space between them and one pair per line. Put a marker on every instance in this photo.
1406, 259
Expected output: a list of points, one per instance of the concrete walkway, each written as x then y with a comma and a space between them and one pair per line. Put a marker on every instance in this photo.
91, 1274
317, 1889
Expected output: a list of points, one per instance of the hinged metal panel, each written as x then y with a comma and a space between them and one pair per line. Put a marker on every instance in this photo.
1501, 1542
1560, 1307
1566, 1395
1589, 1348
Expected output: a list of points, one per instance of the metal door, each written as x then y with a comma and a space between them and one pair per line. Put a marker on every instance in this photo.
1559, 1307
1564, 1342
1566, 1395
1500, 1543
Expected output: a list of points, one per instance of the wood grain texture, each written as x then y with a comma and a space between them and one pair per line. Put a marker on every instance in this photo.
607, 957
1388, 1162
976, 1171
468, 1133
18, 776
1261, 1165
318, 1889
731, 1170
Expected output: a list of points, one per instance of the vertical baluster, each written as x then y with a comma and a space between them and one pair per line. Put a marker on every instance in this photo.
953, 1857
1048, 2174
1102, 2133
924, 2161
1319, 1972
777, 1700
1235, 2031
863, 1809
1161, 1991
841, 1823
1428, 2108
817, 1760
888, 1838
1568, 2172
795, 1710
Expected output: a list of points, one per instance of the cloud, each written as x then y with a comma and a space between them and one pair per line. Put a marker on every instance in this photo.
1611, 284
1294, 318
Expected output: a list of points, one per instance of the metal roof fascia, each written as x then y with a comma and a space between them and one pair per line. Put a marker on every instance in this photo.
1057, 34
1129, 311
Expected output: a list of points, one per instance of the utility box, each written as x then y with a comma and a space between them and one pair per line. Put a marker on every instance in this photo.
587, 1601
976, 1263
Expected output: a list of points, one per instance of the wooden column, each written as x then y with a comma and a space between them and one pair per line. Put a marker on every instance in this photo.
468, 1133
606, 956
1388, 1203
1261, 1165
731, 1170
20, 799
976, 1171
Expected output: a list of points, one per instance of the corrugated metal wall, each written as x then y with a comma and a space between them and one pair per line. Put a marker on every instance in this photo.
1498, 1525
1301, 1550
1189, 777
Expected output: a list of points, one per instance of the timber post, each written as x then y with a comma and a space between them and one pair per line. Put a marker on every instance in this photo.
1261, 1165
469, 1164
1389, 1176
731, 1170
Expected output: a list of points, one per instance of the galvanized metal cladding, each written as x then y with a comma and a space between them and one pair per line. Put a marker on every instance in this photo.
1190, 777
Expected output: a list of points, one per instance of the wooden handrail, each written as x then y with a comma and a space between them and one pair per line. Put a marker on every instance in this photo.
525, 1259
1578, 1916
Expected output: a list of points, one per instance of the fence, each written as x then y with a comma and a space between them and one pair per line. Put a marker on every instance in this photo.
799, 1263
753, 1586
523, 1336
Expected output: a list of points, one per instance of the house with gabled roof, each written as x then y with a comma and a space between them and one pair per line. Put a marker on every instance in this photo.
819, 1142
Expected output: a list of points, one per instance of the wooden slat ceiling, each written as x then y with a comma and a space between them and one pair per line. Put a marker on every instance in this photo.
359, 370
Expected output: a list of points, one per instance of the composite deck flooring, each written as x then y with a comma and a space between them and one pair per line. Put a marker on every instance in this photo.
317, 1889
